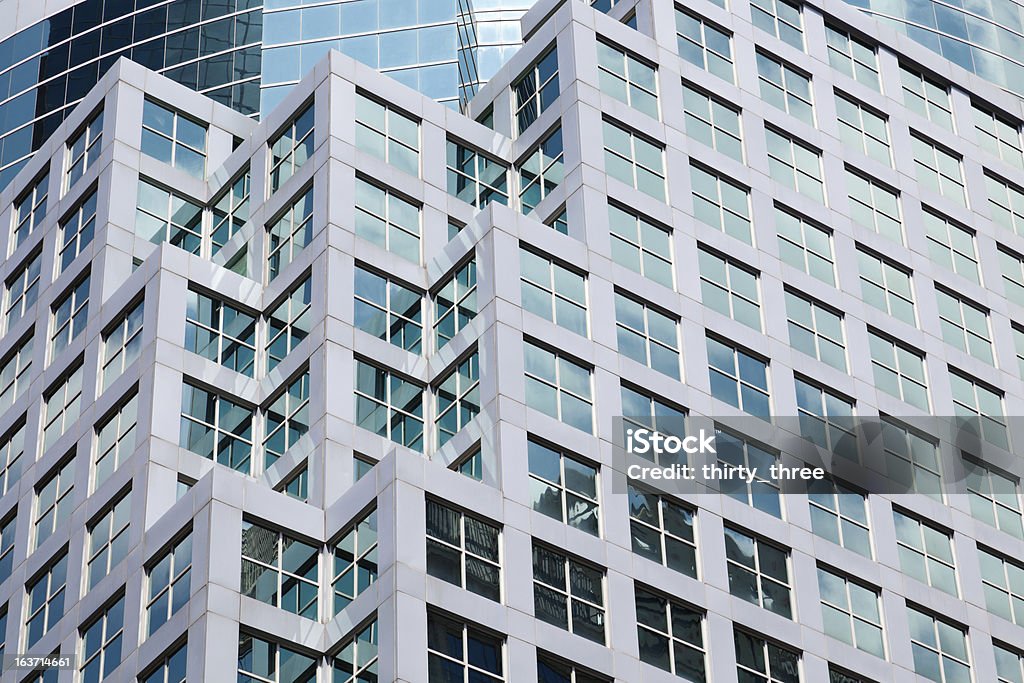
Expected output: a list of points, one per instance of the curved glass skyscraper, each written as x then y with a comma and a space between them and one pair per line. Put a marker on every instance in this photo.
983, 36
443, 48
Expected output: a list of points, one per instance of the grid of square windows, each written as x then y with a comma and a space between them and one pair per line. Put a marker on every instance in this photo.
463, 550
568, 593
15, 374
781, 18
926, 552
647, 335
805, 245
912, 459
169, 580
108, 539
642, 246
457, 398
12, 448
839, 514
217, 427
874, 206
289, 234
165, 216
982, 405
938, 169
704, 44
553, 291
713, 122
563, 486
455, 303
627, 78
1006, 202
951, 245
173, 138
825, 418
784, 87
759, 492
662, 530
721, 203
964, 325
999, 135
541, 171
280, 570
474, 177
939, 647
558, 386
759, 659
536, 89
927, 97
852, 56
288, 323
102, 642
389, 405
83, 149
670, 635
738, 377
898, 369
388, 134
29, 211
758, 572
815, 329
388, 310
729, 288
69, 315
634, 160
291, 148
850, 611
795, 165
220, 331
122, 344
994, 497
76, 232
355, 561
863, 129
886, 286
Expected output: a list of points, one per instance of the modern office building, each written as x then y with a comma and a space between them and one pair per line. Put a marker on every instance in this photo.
331, 396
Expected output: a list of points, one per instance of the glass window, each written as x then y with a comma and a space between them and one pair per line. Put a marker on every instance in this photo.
230, 211
12, 448
762, 492
169, 576
455, 303
863, 129
389, 405
108, 539
286, 419
388, 310
216, 427
115, 438
8, 527
886, 286
939, 170
463, 550
29, 211
994, 497
662, 530
559, 221
784, 87
738, 378
470, 464
951, 245
541, 172
647, 335
874, 206
122, 344
457, 398
670, 635
568, 593
854, 57
640, 245
357, 660
171, 668
76, 232
898, 369
101, 643
781, 18
563, 487
964, 325
646, 411
839, 514
296, 484
387, 220
758, 572
939, 647
1003, 582
999, 135
552, 291
826, 418
982, 406
46, 598
62, 404
558, 386
795, 165
1009, 664
926, 552
164, 216
721, 203
850, 612
627, 78
912, 459
536, 89
171, 137
926, 97
268, 662
291, 148
815, 329
713, 122
54, 500
388, 134
355, 560
280, 570
288, 323
15, 376
1006, 202
553, 670
83, 149
220, 332
475, 178
758, 659
69, 315
461, 651
23, 289
729, 288
289, 234
1012, 267
704, 44
805, 245
634, 160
